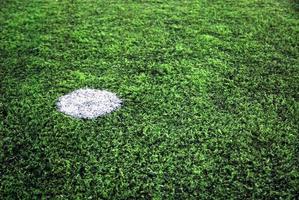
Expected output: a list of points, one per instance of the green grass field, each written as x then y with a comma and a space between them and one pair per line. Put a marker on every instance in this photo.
210, 91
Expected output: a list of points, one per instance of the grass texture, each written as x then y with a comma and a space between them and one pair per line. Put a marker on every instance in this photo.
210, 91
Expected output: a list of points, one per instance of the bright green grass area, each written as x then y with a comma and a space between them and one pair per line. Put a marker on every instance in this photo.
210, 91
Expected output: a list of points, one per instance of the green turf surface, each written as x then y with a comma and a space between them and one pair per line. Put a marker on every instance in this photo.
210, 91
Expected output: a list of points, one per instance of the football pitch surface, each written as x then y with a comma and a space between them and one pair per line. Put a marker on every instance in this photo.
209, 92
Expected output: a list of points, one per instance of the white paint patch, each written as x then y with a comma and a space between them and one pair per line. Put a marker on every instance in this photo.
88, 103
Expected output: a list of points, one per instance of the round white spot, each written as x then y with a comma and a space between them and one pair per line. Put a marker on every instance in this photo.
88, 103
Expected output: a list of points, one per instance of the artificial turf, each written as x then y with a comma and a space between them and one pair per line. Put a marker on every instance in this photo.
210, 91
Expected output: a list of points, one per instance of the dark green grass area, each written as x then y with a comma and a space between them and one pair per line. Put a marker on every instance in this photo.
210, 91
